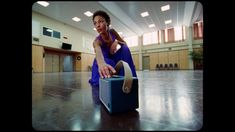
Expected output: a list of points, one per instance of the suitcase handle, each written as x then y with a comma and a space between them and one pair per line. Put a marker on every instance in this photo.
127, 84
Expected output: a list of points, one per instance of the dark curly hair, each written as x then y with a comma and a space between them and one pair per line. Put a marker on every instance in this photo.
102, 14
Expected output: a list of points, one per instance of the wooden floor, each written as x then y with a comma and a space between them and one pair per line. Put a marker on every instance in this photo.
168, 100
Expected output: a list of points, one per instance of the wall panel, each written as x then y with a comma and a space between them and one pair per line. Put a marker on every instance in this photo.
37, 58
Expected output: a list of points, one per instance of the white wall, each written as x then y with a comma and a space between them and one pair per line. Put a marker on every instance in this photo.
81, 41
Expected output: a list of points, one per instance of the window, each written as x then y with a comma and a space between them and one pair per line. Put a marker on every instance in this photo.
169, 35
47, 31
56, 34
179, 33
174, 34
198, 30
152, 38
131, 41
51, 33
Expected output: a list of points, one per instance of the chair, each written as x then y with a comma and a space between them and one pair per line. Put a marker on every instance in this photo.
166, 67
176, 66
157, 67
161, 66
171, 66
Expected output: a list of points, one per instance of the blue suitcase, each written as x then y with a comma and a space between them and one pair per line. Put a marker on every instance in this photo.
119, 93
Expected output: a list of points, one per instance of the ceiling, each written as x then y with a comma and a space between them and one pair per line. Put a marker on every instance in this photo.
125, 15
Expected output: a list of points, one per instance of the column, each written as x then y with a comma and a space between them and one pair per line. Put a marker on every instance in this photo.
162, 37
190, 45
140, 42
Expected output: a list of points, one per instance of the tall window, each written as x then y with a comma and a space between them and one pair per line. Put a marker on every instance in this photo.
152, 38
174, 34
198, 30
131, 41
169, 35
178, 33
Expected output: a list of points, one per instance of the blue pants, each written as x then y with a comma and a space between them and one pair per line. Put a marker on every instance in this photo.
122, 54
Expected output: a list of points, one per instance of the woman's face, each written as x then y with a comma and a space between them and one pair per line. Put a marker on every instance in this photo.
100, 24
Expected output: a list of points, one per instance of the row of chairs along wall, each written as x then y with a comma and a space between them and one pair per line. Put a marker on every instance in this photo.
167, 66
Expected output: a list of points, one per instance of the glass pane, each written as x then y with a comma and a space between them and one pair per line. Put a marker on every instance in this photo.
150, 38
178, 33
56, 34
131, 41
47, 31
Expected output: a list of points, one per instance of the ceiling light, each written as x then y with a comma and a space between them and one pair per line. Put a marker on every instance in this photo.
165, 8
94, 29
43, 3
88, 13
110, 25
76, 19
168, 21
144, 14
151, 25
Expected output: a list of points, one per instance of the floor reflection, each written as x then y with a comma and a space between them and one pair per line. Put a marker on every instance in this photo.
168, 100
95, 94
119, 121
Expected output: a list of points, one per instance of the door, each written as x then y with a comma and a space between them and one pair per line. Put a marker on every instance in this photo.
48, 62
68, 63
55, 63
52, 63
145, 62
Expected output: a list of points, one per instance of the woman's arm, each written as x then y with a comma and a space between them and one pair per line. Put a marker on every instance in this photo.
104, 69
118, 38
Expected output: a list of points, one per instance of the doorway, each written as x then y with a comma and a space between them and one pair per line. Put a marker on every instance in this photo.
68, 63
58, 63
52, 63
146, 63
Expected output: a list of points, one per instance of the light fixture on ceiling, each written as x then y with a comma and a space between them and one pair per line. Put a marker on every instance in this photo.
88, 13
168, 21
43, 3
144, 14
151, 25
94, 29
76, 19
165, 8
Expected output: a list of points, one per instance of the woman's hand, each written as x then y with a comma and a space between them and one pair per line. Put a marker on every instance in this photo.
105, 70
113, 47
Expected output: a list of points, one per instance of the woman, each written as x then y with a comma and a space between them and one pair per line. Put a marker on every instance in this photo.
105, 46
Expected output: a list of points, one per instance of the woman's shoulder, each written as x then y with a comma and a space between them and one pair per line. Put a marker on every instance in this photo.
113, 31
97, 40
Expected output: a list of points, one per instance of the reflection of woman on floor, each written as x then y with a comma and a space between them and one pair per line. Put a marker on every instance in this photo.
95, 94
105, 46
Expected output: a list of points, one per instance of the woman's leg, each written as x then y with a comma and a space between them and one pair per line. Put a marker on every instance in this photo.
124, 54
94, 74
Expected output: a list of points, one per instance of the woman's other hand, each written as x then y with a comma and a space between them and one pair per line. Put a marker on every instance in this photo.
113, 47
